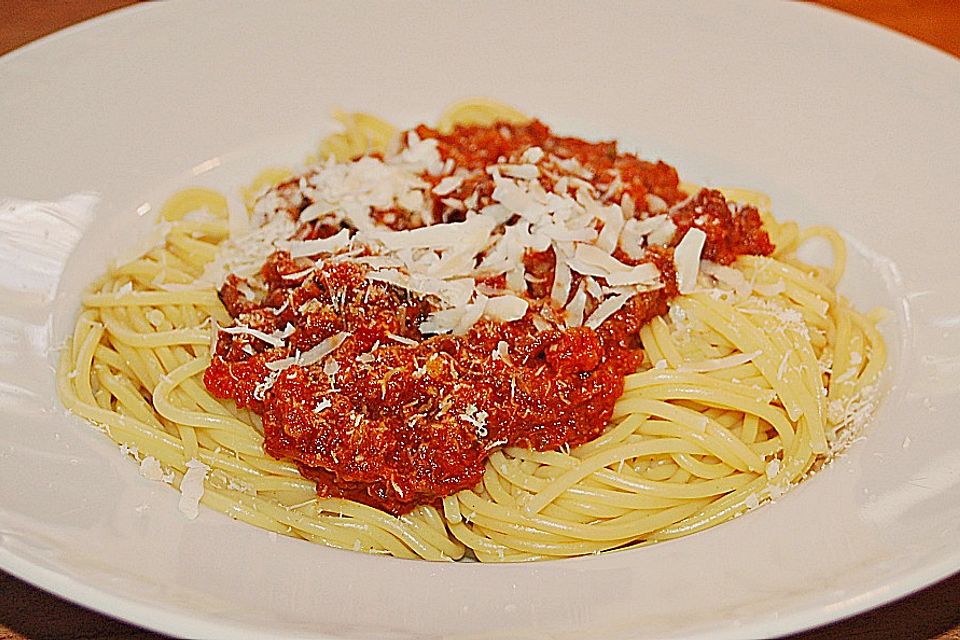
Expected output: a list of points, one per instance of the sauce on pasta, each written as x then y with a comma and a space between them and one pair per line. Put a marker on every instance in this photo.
395, 417
475, 341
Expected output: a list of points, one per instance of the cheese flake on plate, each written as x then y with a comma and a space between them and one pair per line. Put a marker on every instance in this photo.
686, 256
191, 488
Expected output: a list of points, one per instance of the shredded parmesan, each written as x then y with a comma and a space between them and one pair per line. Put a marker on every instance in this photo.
645, 274
732, 278
300, 249
772, 468
506, 308
562, 278
606, 309
686, 256
450, 263
576, 307
191, 488
322, 350
448, 185
272, 340
150, 469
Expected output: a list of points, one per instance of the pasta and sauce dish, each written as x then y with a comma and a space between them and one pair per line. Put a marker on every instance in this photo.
480, 340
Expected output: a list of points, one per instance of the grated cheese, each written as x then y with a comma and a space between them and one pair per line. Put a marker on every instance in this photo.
525, 171
299, 275
686, 257
606, 309
505, 308
575, 309
303, 248
502, 352
282, 364
448, 185
271, 339
191, 488
655, 204
662, 232
562, 279
402, 340
155, 317
646, 274
322, 350
532, 155
582, 224
732, 278
772, 469
150, 469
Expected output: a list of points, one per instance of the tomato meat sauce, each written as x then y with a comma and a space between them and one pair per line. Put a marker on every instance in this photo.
395, 419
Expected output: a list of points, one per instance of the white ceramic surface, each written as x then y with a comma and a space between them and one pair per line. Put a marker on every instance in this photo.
840, 121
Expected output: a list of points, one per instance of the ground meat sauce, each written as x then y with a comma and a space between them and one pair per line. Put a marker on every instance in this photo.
476, 147
396, 419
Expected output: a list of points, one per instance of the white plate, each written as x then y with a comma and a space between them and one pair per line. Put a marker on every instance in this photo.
840, 121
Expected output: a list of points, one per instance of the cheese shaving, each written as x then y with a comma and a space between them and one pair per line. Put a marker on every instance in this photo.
506, 308
272, 340
562, 278
732, 278
449, 264
150, 469
191, 488
448, 185
646, 274
574, 314
300, 249
322, 350
686, 257
606, 309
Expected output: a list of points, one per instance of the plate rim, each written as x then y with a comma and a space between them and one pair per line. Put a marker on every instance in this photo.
187, 622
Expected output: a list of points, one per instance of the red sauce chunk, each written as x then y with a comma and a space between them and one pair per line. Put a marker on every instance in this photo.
395, 418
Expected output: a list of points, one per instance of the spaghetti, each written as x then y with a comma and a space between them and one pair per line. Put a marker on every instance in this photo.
758, 372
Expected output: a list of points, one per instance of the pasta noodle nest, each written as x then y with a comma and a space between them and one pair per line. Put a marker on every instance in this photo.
747, 387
